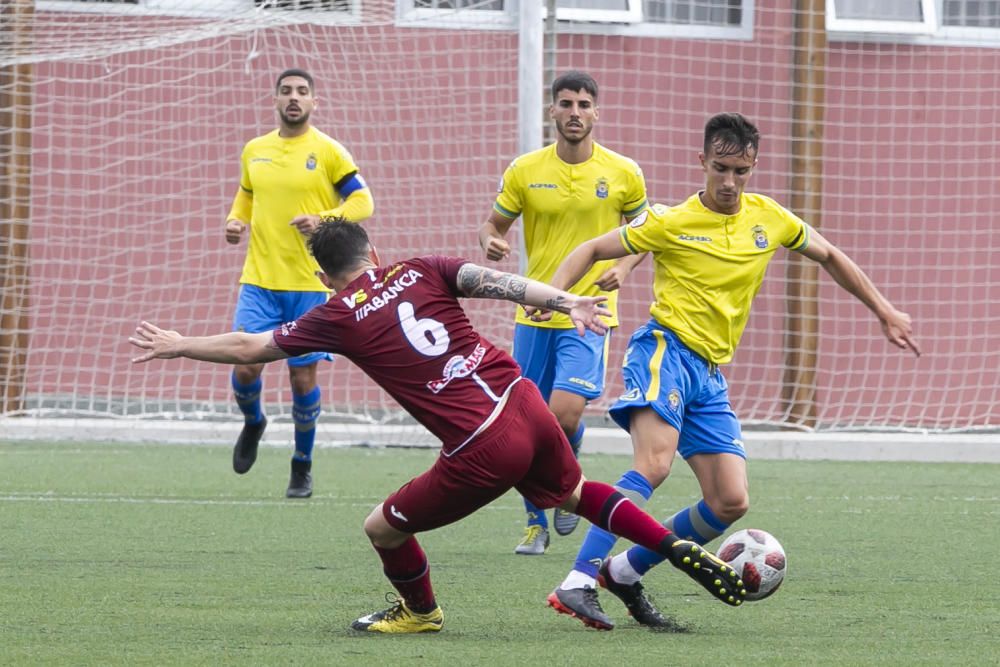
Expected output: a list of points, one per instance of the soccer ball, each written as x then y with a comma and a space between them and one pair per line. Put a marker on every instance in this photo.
757, 558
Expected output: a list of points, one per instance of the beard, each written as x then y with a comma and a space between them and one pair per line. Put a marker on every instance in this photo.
294, 122
561, 129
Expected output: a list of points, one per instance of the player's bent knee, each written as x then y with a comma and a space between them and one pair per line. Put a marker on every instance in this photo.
248, 373
381, 533
654, 468
732, 508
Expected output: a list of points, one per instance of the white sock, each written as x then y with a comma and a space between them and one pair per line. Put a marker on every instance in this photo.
577, 580
622, 570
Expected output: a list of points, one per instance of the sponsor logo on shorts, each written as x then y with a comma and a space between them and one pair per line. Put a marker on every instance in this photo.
287, 328
630, 395
396, 513
458, 367
739, 443
674, 400
583, 383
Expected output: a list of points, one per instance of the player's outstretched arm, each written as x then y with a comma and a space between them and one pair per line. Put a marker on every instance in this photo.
481, 282
896, 325
230, 348
578, 262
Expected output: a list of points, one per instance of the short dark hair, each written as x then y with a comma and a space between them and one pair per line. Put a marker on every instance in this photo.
574, 80
339, 246
295, 72
731, 134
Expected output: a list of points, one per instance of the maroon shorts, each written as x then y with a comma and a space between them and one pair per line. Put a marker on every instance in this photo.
524, 449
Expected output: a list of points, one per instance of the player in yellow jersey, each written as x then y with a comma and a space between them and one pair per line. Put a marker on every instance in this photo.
710, 254
565, 194
290, 179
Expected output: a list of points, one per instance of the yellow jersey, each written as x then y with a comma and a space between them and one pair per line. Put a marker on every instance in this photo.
562, 205
707, 267
286, 178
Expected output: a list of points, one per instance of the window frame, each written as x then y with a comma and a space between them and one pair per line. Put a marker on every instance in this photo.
631, 14
927, 26
190, 8
936, 35
506, 19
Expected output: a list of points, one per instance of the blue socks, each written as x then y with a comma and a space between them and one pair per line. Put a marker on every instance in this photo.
248, 399
598, 543
696, 523
305, 412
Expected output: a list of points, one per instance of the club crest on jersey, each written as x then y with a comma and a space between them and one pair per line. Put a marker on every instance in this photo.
759, 236
458, 367
311, 162
602, 188
674, 400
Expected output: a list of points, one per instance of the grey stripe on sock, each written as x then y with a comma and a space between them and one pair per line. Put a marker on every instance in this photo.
632, 495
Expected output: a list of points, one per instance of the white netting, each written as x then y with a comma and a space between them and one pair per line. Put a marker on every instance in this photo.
136, 120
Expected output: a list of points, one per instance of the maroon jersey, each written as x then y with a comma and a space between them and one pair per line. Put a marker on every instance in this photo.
403, 326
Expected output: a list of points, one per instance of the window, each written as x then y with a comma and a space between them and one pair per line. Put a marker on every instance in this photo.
885, 16
693, 19
967, 22
695, 12
495, 5
971, 13
599, 11
333, 8
316, 5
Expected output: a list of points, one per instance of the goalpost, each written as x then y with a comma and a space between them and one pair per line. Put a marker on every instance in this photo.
123, 122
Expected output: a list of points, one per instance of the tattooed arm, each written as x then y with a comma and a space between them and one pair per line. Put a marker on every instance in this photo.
483, 283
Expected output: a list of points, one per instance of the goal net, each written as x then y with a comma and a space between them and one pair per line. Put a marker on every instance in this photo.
124, 121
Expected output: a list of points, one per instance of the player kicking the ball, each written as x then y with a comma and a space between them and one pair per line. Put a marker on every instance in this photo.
402, 324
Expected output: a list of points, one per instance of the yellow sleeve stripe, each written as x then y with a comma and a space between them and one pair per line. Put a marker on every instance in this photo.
504, 212
623, 235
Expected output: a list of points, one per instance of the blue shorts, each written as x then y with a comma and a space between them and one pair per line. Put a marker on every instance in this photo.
690, 394
259, 310
562, 359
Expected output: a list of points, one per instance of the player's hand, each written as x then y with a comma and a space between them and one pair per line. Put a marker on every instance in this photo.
587, 314
497, 249
536, 314
612, 279
234, 230
158, 343
306, 224
898, 328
